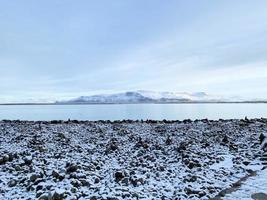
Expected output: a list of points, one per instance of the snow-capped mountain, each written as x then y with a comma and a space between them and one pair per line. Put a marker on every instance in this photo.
143, 96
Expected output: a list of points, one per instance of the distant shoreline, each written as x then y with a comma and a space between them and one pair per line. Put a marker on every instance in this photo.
194, 102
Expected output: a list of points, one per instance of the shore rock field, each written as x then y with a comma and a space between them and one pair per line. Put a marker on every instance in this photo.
104, 160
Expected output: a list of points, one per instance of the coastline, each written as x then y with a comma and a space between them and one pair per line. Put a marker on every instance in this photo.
186, 102
127, 159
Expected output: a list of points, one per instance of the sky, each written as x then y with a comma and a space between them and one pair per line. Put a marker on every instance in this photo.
59, 49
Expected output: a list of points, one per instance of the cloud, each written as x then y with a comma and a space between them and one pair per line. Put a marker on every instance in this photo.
89, 47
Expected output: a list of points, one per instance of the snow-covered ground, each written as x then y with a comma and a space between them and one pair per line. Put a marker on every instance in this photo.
254, 188
127, 159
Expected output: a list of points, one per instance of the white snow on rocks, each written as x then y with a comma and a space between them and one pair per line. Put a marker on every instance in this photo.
254, 185
126, 159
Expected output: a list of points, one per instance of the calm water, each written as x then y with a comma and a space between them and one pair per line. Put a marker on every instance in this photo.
133, 111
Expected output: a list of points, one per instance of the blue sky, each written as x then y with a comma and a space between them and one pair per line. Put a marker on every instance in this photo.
56, 49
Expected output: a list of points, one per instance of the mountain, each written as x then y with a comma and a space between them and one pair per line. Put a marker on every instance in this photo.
143, 96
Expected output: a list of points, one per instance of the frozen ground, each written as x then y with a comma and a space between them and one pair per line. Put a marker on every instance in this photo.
254, 188
129, 159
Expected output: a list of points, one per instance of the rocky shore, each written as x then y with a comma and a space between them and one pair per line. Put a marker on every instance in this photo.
127, 159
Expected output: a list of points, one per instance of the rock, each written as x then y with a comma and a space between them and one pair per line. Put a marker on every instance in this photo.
75, 183
56, 121
225, 139
39, 187
112, 198
181, 147
45, 196
28, 160
33, 177
84, 182
38, 193
6, 158
2, 161
71, 168
57, 175
246, 163
137, 181
119, 175
190, 191
58, 194
97, 180
142, 143
61, 135
17, 168
168, 141
125, 181
38, 180
111, 147
12, 183
191, 179
192, 164
201, 194
73, 190
259, 196
262, 137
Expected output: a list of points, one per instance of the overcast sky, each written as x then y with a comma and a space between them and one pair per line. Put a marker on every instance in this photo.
55, 49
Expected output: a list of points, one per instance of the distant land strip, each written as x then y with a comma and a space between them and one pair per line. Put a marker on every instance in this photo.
110, 103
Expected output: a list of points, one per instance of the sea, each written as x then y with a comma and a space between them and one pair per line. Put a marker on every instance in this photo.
134, 111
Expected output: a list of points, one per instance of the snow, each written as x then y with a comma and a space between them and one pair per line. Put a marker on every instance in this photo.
255, 184
227, 162
146, 96
158, 159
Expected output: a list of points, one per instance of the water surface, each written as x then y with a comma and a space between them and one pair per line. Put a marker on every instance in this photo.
133, 111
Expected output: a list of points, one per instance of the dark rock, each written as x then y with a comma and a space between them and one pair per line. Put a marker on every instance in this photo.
33, 177
55, 174
225, 139
181, 147
191, 179
39, 187
12, 183
125, 181
44, 197
192, 165
190, 191
262, 137
119, 175
111, 147
28, 160
6, 158
97, 180
84, 182
112, 198
58, 195
38, 180
71, 168
38, 194
2, 161
168, 141
73, 190
259, 196
246, 163
75, 183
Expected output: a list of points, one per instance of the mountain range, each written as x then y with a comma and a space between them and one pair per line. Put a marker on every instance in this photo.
143, 96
